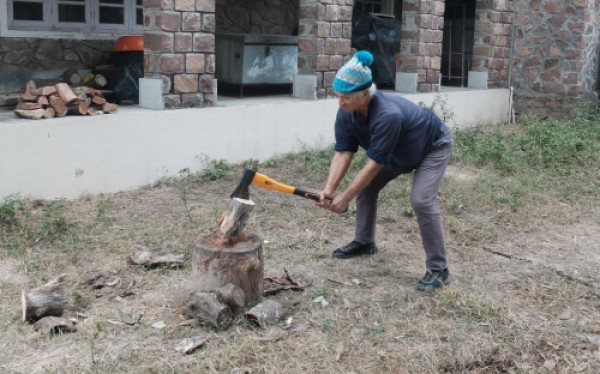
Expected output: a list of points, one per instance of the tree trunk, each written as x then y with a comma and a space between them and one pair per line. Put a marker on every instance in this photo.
232, 295
239, 261
47, 300
206, 306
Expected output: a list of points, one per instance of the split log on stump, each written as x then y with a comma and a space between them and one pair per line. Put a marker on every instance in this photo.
206, 306
234, 220
47, 300
239, 261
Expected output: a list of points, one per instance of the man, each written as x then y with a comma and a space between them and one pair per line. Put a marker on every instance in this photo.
399, 137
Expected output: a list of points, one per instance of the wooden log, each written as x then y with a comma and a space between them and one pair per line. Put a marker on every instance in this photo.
206, 306
26, 96
98, 100
78, 108
28, 106
59, 106
45, 91
237, 214
232, 295
71, 76
65, 93
44, 301
43, 100
54, 325
109, 107
30, 86
239, 261
100, 81
266, 313
30, 114
49, 113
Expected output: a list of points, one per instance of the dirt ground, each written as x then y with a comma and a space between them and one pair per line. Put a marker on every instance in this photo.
524, 296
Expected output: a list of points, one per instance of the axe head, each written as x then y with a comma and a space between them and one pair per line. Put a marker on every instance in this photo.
243, 189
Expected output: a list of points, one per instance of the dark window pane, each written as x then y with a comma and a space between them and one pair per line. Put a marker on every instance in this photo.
139, 17
112, 15
138, 2
111, 1
24, 11
71, 13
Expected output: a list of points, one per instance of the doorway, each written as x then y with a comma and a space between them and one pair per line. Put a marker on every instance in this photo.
457, 45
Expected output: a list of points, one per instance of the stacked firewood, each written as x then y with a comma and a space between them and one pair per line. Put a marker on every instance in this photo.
61, 99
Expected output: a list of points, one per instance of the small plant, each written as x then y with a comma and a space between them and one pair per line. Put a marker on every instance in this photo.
213, 169
9, 210
54, 224
440, 107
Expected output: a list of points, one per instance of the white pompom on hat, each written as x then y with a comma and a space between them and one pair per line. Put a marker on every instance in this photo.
355, 75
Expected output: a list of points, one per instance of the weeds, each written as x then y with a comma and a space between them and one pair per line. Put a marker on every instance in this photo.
9, 210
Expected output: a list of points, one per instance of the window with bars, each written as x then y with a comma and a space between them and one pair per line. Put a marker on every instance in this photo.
126, 16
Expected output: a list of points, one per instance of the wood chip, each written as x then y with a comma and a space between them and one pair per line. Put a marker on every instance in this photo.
188, 345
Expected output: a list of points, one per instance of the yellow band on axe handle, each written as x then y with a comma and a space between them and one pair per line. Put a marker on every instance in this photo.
261, 180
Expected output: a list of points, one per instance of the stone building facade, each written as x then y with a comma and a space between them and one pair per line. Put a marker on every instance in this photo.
547, 50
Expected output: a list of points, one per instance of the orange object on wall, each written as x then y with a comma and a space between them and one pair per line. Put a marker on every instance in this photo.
129, 43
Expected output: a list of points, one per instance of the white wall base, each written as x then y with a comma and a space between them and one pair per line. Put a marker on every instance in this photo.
151, 93
478, 79
74, 155
305, 87
406, 82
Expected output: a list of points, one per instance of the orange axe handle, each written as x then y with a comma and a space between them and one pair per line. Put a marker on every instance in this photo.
262, 181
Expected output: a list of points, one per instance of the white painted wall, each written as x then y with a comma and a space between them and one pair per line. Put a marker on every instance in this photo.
70, 156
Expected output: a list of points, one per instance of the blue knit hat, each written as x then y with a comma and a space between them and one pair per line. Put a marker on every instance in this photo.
355, 75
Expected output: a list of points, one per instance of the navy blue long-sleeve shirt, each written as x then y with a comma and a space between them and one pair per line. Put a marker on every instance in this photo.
397, 132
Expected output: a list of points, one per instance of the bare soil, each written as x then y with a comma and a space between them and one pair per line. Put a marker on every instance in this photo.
524, 296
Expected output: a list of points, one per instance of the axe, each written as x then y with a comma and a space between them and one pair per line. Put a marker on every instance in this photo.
250, 176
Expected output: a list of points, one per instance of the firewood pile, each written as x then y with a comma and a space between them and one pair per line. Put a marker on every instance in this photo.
57, 98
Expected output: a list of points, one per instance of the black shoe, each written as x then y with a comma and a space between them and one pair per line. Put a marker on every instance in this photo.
434, 279
354, 249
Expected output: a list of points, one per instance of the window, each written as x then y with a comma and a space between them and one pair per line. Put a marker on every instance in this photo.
76, 15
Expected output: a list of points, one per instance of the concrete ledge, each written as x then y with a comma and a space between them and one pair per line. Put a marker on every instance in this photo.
74, 155
406, 82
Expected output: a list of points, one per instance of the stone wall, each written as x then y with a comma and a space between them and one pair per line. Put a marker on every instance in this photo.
276, 17
19, 54
324, 33
422, 37
491, 47
555, 57
179, 44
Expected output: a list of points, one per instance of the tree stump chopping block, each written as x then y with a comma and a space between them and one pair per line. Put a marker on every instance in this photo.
238, 261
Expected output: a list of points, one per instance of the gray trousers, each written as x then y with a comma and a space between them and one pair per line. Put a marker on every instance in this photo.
423, 195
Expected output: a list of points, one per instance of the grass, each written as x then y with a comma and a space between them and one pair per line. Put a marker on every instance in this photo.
520, 210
